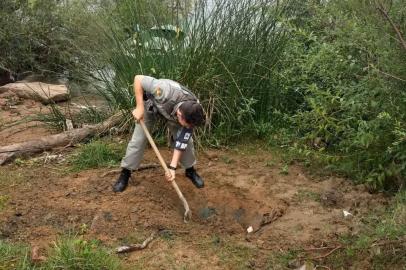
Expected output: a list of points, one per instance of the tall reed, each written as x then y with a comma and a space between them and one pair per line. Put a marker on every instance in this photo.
224, 51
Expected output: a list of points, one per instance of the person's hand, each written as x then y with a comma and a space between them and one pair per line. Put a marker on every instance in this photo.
138, 113
170, 175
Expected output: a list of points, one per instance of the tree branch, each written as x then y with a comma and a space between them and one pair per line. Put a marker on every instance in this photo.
381, 8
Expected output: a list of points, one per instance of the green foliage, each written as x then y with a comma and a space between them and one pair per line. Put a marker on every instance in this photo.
10, 177
14, 256
55, 119
231, 254
226, 58
281, 260
304, 194
67, 253
46, 36
353, 110
76, 253
284, 169
95, 155
3, 201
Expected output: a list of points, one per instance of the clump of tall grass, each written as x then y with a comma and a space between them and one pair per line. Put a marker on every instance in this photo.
14, 256
67, 253
224, 51
76, 253
95, 155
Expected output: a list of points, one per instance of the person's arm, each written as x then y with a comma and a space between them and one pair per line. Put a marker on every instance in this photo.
138, 112
181, 143
175, 160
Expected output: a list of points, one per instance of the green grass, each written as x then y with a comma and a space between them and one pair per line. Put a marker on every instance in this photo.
231, 253
55, 118
303, 194
76, 253
96, 154
227, 160
3, 201
67, 253
284, 169
10, 177
14, 256
281, 260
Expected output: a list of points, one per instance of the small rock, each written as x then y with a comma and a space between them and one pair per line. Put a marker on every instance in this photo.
260, 242
347, 214
48, 217
330, 198
108, 216
207, 212
294, 264
35, 256
251, 264
73, 218
306, 266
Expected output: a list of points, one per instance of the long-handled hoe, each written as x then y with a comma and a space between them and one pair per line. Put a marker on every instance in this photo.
187, 215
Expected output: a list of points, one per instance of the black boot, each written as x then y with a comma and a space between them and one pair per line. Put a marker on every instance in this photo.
122, 181
196, 179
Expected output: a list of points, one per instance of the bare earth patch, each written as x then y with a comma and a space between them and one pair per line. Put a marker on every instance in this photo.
242, 190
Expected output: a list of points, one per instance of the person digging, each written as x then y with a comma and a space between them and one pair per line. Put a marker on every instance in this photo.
163, 98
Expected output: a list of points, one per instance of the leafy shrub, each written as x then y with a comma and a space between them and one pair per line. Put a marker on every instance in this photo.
47, 36
352, 111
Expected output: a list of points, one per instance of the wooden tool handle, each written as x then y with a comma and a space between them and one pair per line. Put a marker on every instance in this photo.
163, 164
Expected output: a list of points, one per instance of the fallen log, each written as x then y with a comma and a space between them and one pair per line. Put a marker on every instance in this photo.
71, 137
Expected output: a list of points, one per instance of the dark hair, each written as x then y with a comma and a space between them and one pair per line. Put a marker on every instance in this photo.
192, 112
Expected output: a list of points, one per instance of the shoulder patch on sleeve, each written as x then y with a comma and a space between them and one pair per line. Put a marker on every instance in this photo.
158, 92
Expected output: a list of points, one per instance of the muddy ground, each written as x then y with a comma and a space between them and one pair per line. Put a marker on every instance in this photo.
247, 186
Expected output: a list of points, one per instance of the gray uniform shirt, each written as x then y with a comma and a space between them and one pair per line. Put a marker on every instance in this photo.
167, 96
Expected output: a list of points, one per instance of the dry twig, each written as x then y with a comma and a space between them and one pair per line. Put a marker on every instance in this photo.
389, 242
322, 266
140, 168
317, 248
383, 11
328, 253
125, 249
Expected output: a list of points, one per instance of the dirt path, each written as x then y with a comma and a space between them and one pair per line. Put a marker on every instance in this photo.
243, 188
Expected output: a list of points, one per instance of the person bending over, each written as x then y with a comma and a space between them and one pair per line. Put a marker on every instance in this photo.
163, 98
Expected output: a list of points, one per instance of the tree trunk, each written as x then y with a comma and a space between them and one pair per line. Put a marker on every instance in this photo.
10, 152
